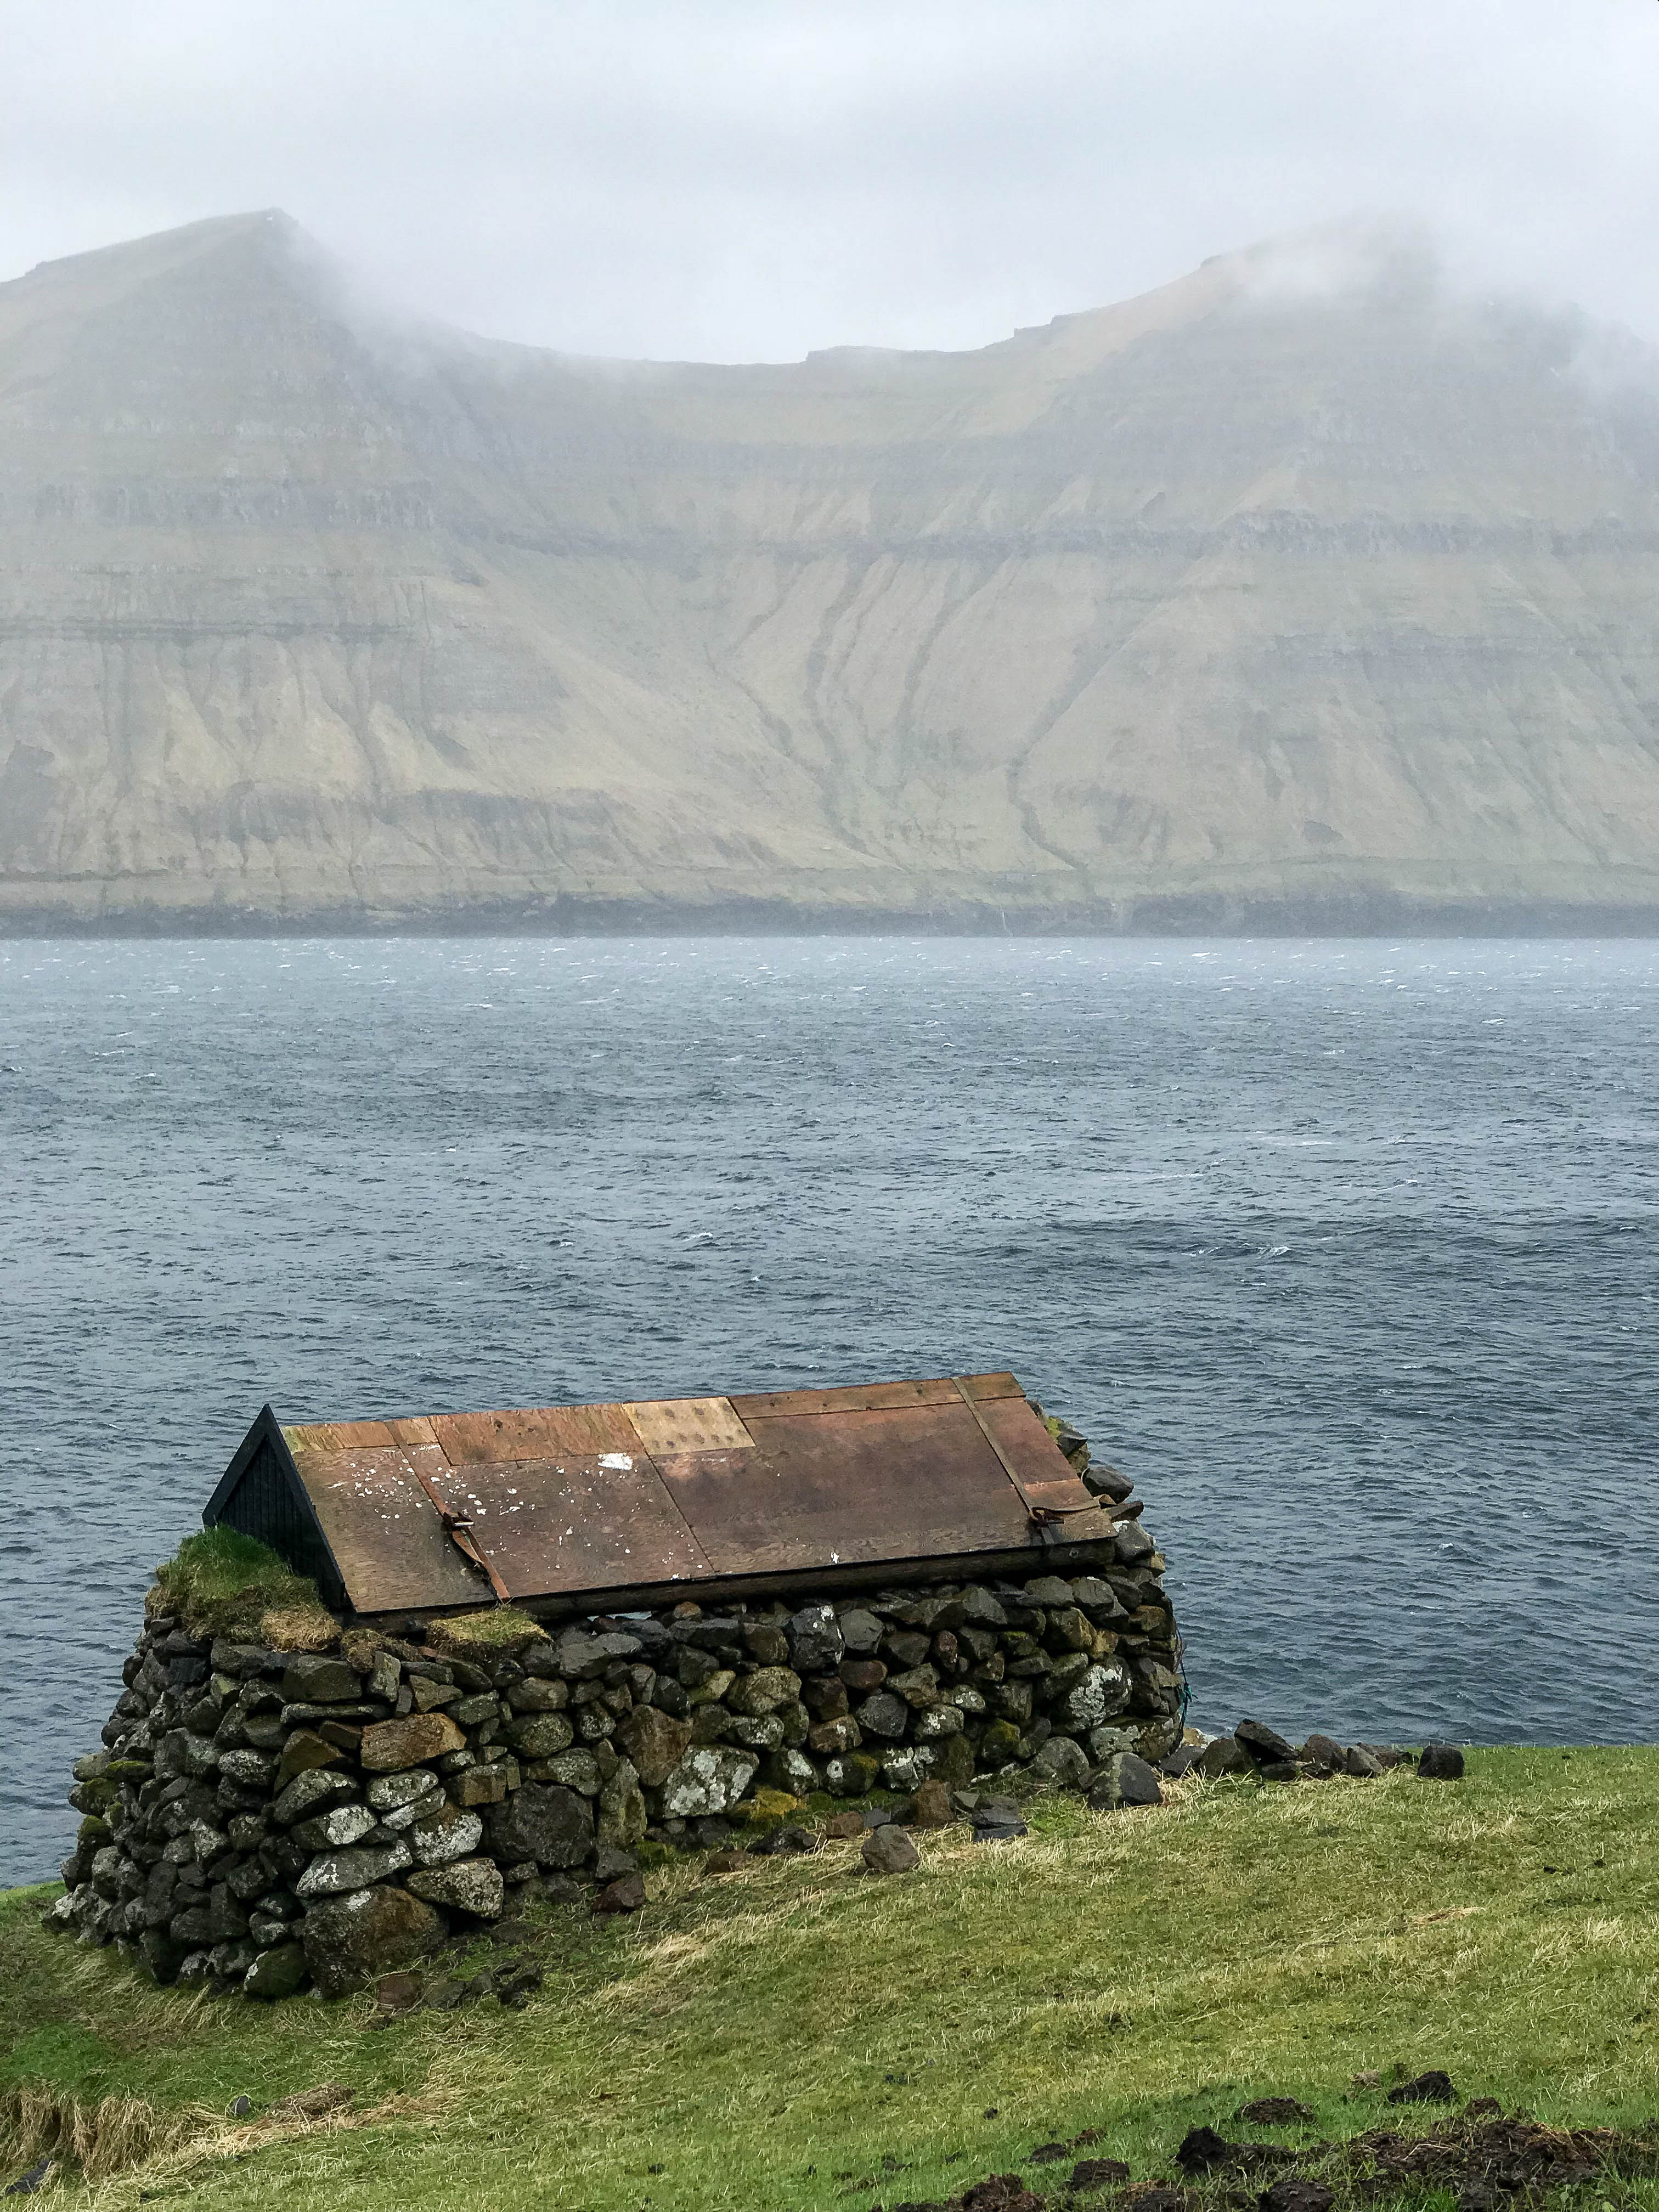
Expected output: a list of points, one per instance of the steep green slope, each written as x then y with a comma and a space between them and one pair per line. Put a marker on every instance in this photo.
1252, 597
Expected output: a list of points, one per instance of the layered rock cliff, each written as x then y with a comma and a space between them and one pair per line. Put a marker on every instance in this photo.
1257, 600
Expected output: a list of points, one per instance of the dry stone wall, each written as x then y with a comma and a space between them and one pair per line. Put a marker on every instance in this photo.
266, 1819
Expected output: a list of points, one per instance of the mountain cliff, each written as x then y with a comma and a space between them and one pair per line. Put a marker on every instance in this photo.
1292, 594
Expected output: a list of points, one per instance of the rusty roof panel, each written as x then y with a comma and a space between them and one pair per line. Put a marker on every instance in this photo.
877, 1397
479, 1439
851, 1398
587, 1521
839, 1488
340, 1435
533, 1433
1043, 1469
1000, 1385
590, 1429
383, 1530
689, 1425
577, 1501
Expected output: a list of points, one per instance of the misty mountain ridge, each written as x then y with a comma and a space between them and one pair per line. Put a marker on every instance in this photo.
1304, 591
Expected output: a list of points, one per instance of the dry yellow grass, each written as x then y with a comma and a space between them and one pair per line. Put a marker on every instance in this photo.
110, 2137
298, 1628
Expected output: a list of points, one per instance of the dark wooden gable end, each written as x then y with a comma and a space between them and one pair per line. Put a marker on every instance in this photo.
261, 1494
567, 1507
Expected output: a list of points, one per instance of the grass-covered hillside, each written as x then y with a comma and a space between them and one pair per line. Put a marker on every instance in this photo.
800, 2033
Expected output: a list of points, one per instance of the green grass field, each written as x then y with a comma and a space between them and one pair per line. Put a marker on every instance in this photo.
799, 2034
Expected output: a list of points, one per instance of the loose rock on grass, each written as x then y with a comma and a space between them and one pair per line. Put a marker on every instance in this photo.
1432, 2089
889, 1850
1440, 1762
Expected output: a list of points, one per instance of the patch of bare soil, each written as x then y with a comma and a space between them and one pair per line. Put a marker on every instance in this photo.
1488, 2161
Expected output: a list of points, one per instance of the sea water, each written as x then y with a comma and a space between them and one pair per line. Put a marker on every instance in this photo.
1345, 1251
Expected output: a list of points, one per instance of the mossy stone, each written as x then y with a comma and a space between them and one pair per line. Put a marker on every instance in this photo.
954, 1762
766, 1805
1000, 1743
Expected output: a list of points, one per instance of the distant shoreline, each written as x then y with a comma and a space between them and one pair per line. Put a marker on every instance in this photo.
1216, 915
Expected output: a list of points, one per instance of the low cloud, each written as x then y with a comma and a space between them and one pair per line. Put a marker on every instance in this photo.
754, 179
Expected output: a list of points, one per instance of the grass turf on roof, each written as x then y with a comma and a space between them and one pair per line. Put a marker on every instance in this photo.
221, 1582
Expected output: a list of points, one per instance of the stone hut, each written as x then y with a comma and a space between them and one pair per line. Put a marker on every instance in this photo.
558, 1640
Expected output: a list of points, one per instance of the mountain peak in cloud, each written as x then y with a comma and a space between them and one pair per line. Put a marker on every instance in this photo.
1280, 594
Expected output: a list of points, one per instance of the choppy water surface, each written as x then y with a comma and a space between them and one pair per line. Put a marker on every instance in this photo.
1346, 1252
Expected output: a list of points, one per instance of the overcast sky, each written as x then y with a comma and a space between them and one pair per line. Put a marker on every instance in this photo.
735, 180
